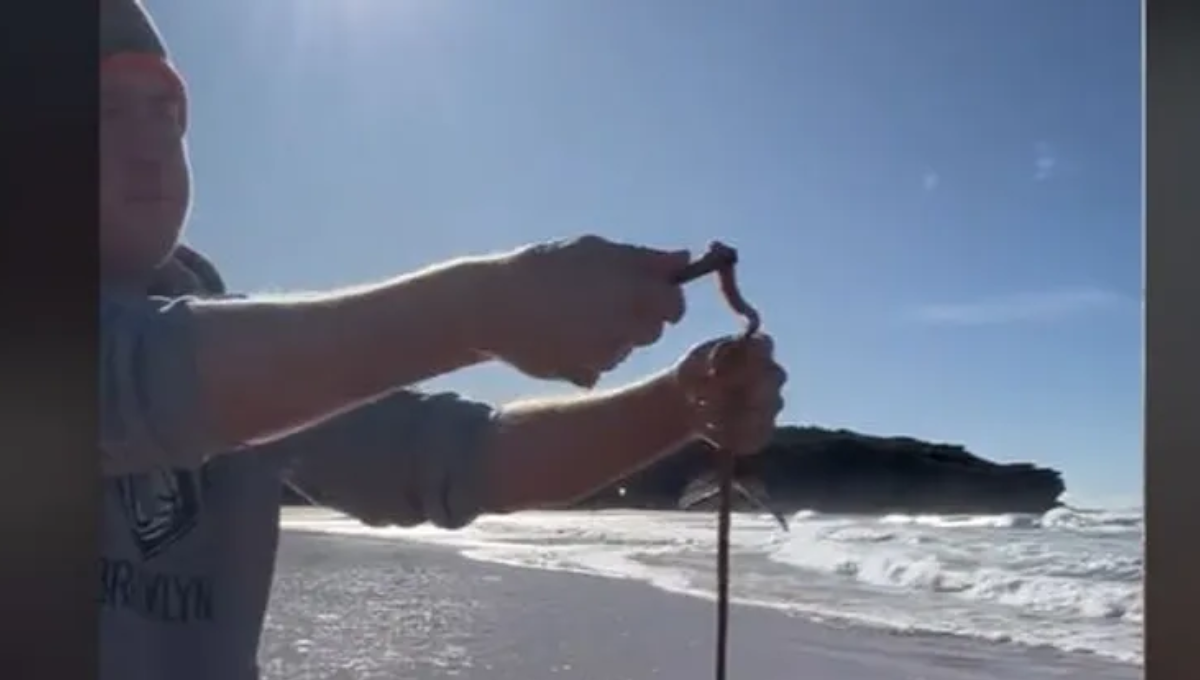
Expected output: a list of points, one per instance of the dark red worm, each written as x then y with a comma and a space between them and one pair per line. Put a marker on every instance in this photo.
722, 259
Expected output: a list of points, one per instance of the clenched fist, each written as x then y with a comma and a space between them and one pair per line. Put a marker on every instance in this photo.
575, 309
734, 389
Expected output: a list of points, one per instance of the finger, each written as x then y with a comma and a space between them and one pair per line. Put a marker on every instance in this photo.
747, 354
585, 378
645, 321
727, 408
754, 374
775, 378
734, 360
725, 402
580, 377
709, 413
723, 409
750, 436
654, 305
671, 304
725, 358
606, 353
761, 344
616, 358
765, 378
659, 264
645, 332
764, 400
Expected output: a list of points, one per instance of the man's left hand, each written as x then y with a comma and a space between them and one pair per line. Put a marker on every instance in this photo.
734, 392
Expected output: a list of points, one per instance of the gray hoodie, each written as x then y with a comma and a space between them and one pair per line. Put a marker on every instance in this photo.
189, 533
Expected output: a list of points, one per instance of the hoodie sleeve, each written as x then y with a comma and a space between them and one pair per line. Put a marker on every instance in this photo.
403, 459
151, 414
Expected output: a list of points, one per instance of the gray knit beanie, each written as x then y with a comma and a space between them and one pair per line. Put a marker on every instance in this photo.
126, 27
128, 35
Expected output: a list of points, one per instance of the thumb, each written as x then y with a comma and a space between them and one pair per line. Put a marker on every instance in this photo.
660, 263
676, 260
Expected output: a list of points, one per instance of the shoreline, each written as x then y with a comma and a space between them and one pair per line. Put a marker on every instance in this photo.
337, 598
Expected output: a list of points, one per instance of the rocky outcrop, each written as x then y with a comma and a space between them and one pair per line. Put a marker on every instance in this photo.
810, 468
848, 472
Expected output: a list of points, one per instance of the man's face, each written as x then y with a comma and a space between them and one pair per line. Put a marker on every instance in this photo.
144, 180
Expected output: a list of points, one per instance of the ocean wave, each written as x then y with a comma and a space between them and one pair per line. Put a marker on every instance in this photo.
1007, 521
1094, 520
1034, 575
1042, 580
1062, 518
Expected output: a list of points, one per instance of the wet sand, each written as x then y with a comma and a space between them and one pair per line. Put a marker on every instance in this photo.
367, 609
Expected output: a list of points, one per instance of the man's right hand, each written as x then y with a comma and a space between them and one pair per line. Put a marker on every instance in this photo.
254, 369
573, 310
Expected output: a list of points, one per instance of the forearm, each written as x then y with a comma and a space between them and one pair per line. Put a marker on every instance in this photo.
555, 452
269, 367
185, 379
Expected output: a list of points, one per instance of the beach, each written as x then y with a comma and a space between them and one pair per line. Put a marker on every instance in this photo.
366, 607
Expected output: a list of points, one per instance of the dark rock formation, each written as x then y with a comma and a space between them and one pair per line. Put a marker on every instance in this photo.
810, 468
847, 472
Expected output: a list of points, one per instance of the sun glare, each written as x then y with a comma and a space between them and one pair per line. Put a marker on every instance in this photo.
352, 33
368, 15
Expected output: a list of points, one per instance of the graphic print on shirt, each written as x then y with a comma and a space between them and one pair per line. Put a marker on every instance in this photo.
161, 507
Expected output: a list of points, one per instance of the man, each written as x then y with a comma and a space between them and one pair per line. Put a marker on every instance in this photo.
209, 402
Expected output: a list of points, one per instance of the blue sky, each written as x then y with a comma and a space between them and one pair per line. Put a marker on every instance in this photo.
938, 203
